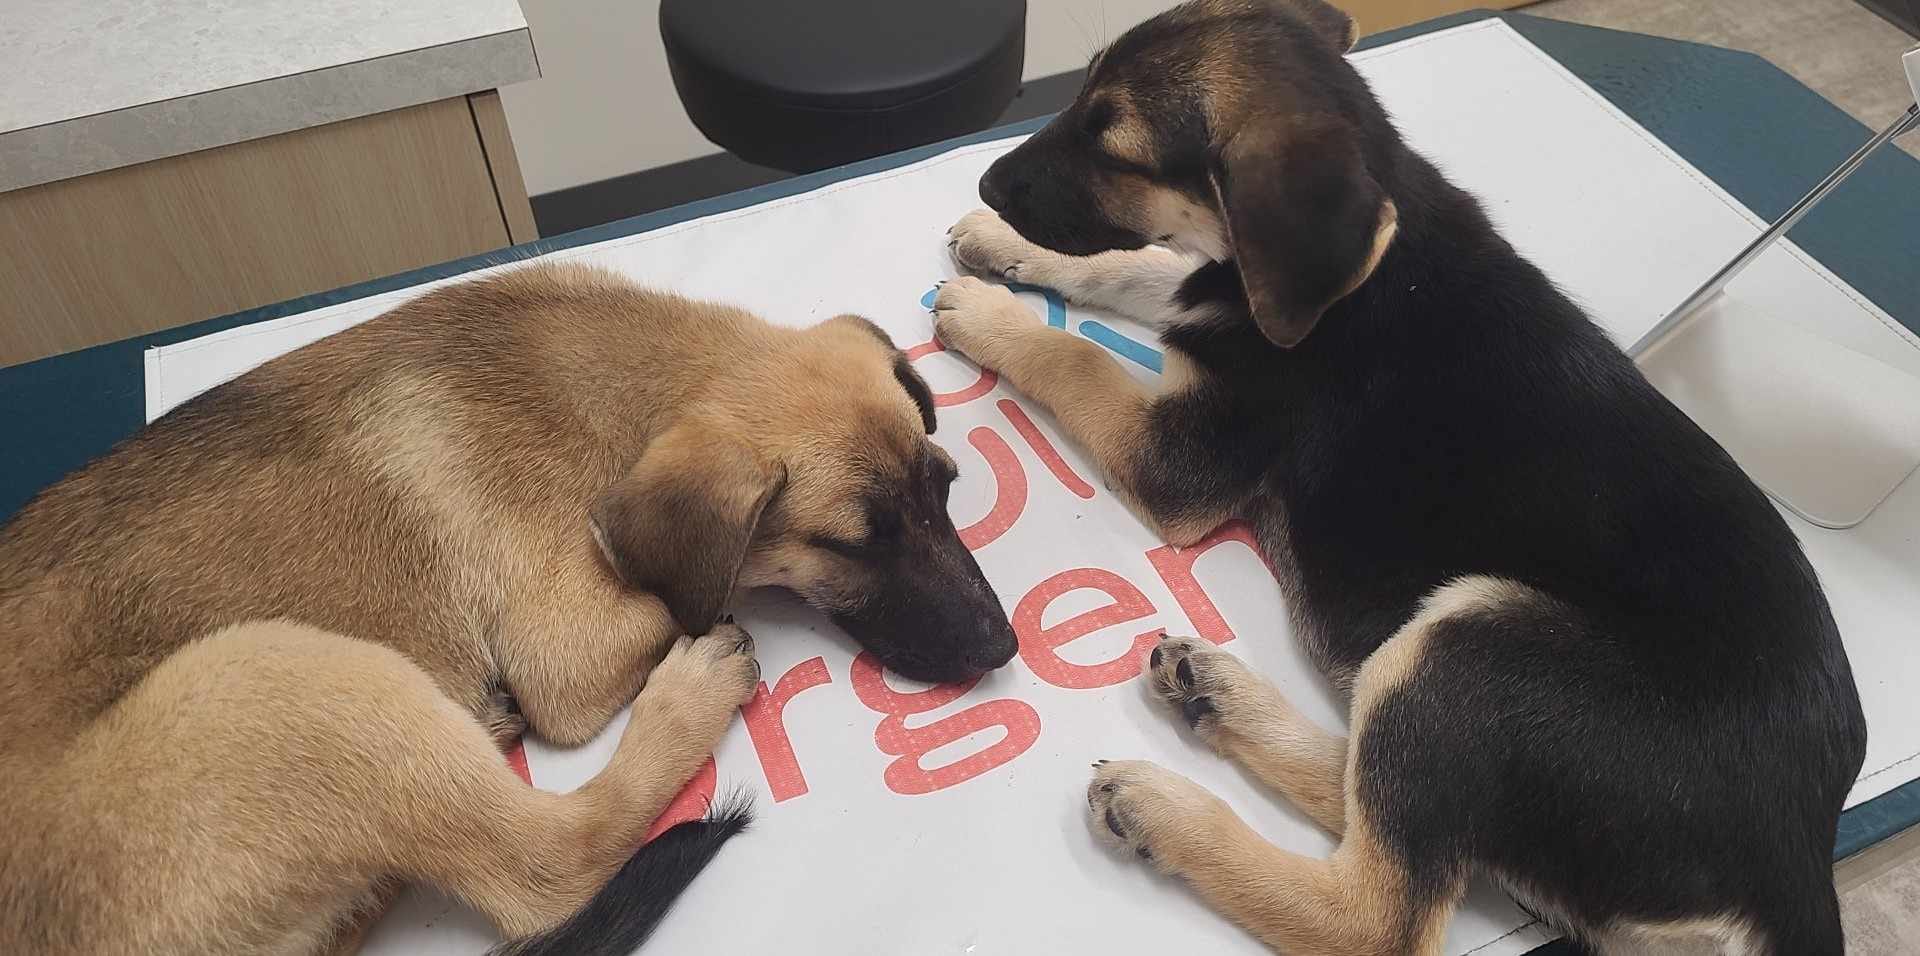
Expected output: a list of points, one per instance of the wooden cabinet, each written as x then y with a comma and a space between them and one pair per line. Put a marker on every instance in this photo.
1377, 15
160, 244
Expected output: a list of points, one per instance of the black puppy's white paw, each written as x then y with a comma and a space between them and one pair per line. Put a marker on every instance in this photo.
983, 243
980, 319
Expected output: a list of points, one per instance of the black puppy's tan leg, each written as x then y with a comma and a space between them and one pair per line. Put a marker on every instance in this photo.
1141, 284
1357, 902
1247, 720
1364, 898
1104, 409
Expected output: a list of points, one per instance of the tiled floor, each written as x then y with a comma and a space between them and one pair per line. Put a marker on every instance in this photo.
1841, 49
1883, 915
1852, 57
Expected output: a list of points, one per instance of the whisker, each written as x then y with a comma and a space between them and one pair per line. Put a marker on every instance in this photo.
1085, 37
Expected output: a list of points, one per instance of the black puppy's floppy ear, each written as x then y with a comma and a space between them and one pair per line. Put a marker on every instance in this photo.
1306, 221
679, 524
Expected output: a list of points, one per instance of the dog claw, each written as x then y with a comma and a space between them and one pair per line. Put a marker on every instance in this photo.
1153, 659
1113, 823
1183, 671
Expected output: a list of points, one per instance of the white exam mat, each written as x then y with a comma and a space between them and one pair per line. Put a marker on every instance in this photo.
1002, 863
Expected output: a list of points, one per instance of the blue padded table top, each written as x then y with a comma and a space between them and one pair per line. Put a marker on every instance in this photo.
1757, 132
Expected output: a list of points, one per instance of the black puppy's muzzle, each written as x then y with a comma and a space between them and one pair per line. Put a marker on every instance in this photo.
995, 191
996, 651
1047, 195
997, 187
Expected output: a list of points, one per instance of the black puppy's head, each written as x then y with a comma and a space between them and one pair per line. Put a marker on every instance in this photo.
1230, 128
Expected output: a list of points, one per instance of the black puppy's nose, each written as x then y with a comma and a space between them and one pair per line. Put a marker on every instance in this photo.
993, 190
994, 652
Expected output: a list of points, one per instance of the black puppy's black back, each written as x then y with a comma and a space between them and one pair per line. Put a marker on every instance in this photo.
1680, 711
1644, 718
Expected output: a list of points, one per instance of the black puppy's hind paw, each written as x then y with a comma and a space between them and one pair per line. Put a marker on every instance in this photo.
1149, 811
1212, 691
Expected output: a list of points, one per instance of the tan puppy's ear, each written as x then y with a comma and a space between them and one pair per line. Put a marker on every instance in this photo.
679, 524
1306, 222
903, 372
917, 390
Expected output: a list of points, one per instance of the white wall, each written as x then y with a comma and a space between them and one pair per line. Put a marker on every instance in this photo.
605, 105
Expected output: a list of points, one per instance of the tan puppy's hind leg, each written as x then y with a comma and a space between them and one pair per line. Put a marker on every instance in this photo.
271, 765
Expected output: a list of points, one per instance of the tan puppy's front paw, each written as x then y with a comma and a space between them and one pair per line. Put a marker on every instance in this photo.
980, 319
1161, 816
712, 674
982, 242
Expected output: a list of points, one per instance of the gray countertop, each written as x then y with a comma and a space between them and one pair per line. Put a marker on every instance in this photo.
96, 84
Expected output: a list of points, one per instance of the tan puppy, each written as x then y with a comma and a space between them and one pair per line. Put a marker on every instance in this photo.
257, 663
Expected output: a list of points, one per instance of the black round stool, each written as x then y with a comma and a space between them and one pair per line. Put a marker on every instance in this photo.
801, 85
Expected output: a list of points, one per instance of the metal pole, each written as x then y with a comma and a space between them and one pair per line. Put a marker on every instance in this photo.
1774, 232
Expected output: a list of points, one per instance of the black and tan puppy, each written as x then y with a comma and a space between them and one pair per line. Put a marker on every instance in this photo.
1584, 653
255, 663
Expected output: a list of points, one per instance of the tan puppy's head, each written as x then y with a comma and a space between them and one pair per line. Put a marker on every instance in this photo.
1230, 128
809, 469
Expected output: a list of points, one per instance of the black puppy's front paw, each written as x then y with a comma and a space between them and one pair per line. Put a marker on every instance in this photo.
983, 243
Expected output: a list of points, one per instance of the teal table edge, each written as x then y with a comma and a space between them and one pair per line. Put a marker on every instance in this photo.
1757, 132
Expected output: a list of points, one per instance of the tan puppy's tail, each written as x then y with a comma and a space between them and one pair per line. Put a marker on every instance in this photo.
623, 914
